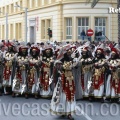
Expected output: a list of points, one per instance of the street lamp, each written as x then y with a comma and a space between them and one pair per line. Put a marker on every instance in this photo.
6, 15
25, 20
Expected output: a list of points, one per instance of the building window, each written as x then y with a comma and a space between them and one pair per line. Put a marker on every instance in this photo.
36, 3
3, 10
45, 2
45, 24
20, 31
83, 24
12, 8
11, 31
0, 12
33, 4
16, 8
0, 32
100, 25
43, 29
68, 28
7, 9
49, 23
16, 31
3, 31
21, 5
28, 4
39, 3
53, 1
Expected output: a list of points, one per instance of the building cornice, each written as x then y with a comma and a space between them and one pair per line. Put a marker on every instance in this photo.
62, 2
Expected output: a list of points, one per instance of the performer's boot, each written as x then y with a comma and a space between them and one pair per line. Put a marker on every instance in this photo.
70, 117
79, 99
8, 90
5, 92
49, 98
91, 99
13, 94
63, 116
0, 91
36, 96
118, 101
112, 100
103, 100
115, 100
26, 95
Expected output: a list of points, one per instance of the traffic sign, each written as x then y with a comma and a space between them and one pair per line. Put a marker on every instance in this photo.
90, 32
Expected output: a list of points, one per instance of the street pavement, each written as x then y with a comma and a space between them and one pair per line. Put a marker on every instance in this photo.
19, 108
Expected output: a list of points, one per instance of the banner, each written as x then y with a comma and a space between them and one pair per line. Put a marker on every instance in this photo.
37, 23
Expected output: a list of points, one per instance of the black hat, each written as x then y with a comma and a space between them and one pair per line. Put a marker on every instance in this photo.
41, 43
67, 42
29, 44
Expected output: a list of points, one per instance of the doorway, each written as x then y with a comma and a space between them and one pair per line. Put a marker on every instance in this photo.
32, 34
32, 31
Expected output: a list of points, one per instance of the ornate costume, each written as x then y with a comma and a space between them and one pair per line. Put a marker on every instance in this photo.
34, 71
20, 80
64, 92
76, 69
1, 71
86, 70
99, 74
57, 50
113, 78
9, 67
46, 72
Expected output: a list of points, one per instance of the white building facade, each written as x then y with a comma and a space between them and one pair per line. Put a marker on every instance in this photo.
66, 19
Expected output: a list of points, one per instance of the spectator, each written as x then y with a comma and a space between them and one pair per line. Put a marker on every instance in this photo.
83, 34
98, 35
29, 46
2, 50
67, 42
41, 47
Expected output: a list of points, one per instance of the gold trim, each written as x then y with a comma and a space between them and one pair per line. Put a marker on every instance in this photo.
31, 93
98, 96
25, 93
85, 96
112, 97
62, 113
47, 96
91, 95
7, 85
108, 96
19, 92
115, 97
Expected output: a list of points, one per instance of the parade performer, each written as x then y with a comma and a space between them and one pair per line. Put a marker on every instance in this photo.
34, 71
9, 68
46, 72
64, 92
55, 71
113, 78
57, 50
22, 65
1, 72
55, 76
77, 72
108, 53
86, 70
98, 77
